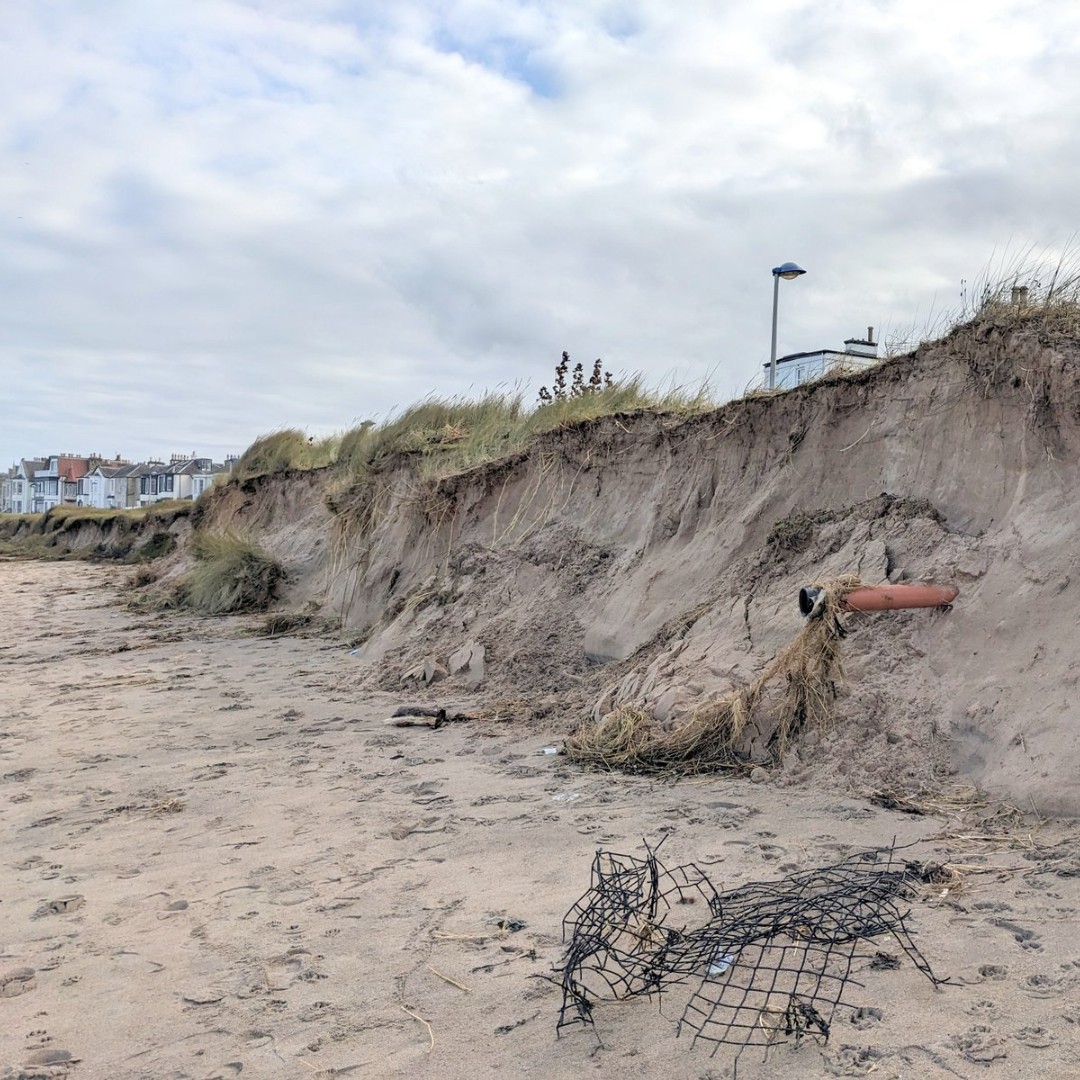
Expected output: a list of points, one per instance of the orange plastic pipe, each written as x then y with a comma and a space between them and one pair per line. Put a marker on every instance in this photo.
891, 597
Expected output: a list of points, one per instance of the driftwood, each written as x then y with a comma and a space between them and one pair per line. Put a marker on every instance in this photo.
424, 716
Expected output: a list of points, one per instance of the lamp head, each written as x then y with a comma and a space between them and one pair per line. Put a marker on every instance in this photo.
788, 271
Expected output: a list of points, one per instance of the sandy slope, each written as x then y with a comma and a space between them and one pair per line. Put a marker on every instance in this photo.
654, 560
214, 859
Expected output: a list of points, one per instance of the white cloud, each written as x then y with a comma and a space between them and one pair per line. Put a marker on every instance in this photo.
221, 218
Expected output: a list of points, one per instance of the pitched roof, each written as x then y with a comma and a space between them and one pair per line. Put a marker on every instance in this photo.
191, 466
71, 468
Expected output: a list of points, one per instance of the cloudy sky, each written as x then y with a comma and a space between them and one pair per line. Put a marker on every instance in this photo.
218, 218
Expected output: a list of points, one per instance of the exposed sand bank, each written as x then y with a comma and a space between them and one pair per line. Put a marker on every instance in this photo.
216, 857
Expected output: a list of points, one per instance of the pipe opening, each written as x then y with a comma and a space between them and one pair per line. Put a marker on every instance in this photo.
808, 597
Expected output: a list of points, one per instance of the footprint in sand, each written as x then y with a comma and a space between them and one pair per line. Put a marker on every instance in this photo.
283, 971
60, 906
399, 832
16, 982
202, 997
292, 897
1047, 986
866, 1016
1025, 938
227, 1071
990, 905
980, 1045
1034, 1036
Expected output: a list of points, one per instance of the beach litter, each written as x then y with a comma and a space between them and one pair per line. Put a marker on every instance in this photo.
769, 963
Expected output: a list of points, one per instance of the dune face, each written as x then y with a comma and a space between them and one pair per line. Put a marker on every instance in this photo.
655, 562
226, 851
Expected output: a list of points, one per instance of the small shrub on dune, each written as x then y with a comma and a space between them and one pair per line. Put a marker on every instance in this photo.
623, 397
230, 575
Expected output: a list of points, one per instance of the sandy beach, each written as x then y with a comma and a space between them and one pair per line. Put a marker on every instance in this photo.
217, 859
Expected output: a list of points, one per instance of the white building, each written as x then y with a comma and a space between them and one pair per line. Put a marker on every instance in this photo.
42, 483
36, 485
20, 485
797, 368
183, 478
7, 491
111, 486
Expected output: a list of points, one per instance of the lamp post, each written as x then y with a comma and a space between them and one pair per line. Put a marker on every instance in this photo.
788, 271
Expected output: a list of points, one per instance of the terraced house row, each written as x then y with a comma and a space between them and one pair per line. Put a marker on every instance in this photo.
35, 485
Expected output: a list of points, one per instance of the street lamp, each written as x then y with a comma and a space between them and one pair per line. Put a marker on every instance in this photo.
789, 271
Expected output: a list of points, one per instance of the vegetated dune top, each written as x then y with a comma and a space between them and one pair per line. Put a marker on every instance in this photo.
653, 560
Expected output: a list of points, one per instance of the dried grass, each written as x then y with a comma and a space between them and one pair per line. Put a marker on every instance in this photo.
284, 623
937, 880
631, 740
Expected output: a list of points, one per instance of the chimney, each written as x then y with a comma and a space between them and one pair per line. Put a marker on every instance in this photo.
865, 347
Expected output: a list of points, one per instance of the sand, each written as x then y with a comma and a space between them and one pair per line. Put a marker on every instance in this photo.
217, 859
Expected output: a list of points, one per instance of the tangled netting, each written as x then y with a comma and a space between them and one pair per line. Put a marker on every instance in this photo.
770, 962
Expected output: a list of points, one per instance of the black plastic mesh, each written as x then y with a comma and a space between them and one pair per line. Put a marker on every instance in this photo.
769, 962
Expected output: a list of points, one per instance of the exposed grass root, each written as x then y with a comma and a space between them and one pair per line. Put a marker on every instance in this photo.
631, 740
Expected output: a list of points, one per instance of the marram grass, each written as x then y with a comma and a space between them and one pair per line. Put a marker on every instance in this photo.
446, 436
230, 575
